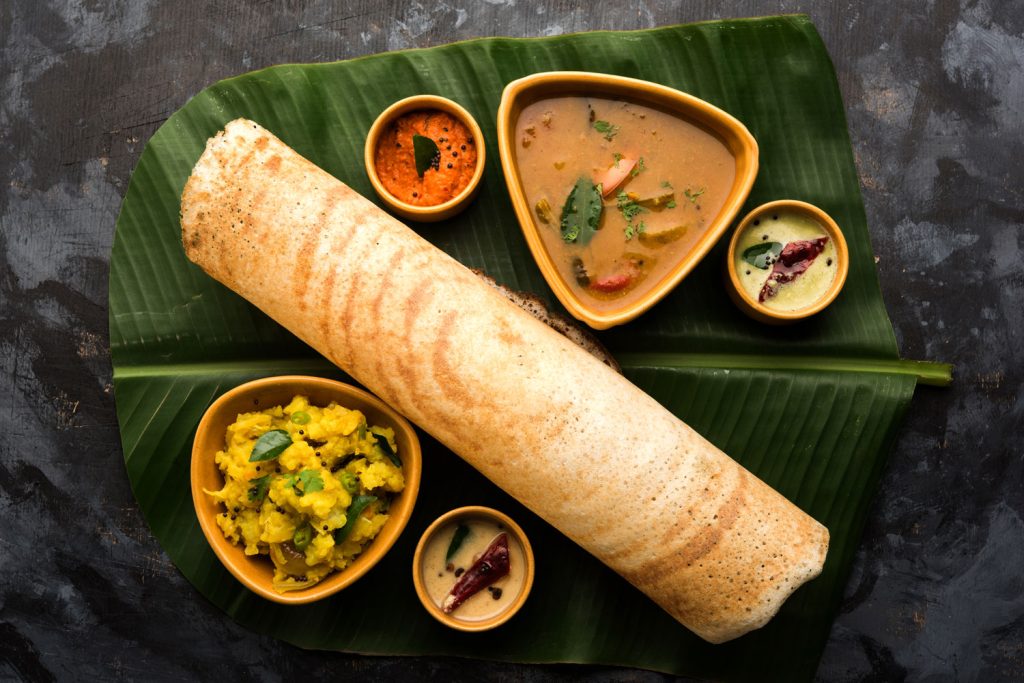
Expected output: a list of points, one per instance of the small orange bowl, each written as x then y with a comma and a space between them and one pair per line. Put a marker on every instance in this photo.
741, 145
759, 311
452, 620
257, 572
437, 212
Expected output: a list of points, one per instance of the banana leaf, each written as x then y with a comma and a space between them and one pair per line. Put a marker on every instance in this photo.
812, 409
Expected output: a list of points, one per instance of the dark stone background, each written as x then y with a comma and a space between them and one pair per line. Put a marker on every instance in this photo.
934, 94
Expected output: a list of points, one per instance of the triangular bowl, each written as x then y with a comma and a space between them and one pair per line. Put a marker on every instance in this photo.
740, 143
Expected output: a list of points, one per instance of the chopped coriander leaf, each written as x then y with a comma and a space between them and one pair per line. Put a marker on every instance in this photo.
692, 196
311, 481
628, 206
666, 184
671, 204
630, 209
636, 169
618, 157
259, 488
608, 130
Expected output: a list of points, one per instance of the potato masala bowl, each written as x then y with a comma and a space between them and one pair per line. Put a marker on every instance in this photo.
301, 484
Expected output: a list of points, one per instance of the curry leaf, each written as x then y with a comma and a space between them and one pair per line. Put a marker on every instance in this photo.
270, 445
581, 213
460, 535
608, 130
359, 504
385, 445
427, 154
762, 254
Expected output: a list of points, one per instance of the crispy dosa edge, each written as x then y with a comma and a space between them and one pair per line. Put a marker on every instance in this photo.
714, 546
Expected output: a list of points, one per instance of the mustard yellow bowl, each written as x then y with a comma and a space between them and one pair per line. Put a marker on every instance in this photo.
405, 209
256, 572
761, 220
740, 157
429, 560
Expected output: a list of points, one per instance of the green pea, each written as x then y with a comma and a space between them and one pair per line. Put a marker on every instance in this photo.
303, 536
300, 417
349, 482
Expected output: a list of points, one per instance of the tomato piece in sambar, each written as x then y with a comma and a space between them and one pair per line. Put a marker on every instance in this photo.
395, 159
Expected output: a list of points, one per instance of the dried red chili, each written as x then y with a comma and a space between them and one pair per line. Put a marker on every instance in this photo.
795, 258
492, 565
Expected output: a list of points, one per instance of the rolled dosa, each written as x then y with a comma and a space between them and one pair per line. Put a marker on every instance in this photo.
572, 440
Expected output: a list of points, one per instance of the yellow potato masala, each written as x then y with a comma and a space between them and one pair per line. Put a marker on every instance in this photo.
308, 486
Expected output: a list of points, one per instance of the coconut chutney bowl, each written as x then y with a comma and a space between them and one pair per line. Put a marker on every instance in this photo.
256, 572
787, 260
620, 186
425, 157
473, 568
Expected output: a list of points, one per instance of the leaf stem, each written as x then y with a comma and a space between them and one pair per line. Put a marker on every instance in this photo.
934, 374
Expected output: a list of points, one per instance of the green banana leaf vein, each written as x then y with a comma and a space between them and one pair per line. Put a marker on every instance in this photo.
812, 409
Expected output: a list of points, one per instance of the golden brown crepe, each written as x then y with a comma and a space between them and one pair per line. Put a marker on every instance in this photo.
572, 440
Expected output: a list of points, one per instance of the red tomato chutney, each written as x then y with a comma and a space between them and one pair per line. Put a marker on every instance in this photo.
395, 158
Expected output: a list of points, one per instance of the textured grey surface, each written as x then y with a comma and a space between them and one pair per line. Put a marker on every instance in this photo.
935, 99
